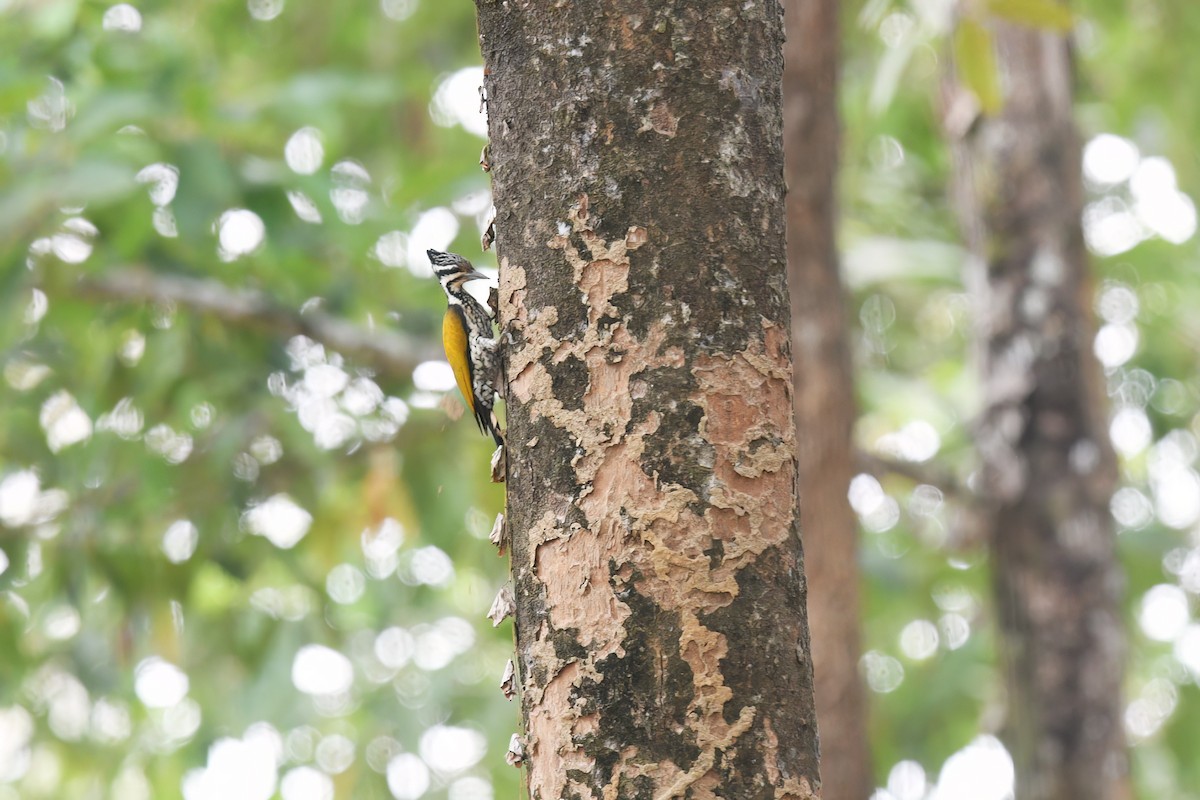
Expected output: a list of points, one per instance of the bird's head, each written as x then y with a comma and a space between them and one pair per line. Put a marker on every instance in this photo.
453, 270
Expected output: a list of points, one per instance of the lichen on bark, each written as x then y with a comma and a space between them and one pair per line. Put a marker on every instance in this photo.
637, 172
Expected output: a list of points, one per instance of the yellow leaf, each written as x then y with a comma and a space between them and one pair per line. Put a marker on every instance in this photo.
976, 60
1035, 13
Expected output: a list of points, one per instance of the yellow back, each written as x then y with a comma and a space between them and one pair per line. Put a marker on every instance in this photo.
454, 340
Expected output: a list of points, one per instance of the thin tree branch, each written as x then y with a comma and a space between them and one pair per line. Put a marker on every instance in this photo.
920, 472
391, 353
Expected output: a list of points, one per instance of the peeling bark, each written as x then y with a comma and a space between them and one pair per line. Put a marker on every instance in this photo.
825, 406
1047, 467
637, 170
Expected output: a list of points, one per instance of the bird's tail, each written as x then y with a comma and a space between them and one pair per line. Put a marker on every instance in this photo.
486, 419
493, 426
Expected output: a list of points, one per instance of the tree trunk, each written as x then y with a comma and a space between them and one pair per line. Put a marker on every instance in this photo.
825, 407
660, 600
1047, 466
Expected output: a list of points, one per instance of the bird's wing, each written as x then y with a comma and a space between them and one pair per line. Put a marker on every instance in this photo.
454, 340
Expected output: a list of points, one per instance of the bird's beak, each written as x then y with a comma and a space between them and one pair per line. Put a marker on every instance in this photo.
475, 275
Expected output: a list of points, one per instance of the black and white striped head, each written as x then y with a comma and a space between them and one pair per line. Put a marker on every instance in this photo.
453, 271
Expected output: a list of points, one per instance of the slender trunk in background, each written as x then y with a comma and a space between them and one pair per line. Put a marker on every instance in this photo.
1047, 467
825, 407
662, 644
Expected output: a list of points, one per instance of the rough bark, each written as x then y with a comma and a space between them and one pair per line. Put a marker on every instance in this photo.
825, 406
1047, 467
638, 177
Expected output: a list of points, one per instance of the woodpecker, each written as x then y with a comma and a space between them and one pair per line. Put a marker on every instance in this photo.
468, 340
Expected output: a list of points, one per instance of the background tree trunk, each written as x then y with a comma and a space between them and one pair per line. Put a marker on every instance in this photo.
1048, 469
638, 178
825, 406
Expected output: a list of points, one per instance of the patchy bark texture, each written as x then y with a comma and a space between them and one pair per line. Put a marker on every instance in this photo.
825, 407
1048, 470
637, 170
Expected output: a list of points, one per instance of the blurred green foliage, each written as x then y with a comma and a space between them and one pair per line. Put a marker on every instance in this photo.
191, 423
88, 593
903, 262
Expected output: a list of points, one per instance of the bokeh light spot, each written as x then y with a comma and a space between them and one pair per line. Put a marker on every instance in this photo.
278, 519
122, 17
306, 783
1163, 612
239, 232
320, 670
159, 683
1109, 159
304, 151
407, 777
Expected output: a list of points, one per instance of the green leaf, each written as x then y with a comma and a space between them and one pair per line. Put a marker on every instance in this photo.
976, 59
96, 181
1037, 13
213, 591
53, 21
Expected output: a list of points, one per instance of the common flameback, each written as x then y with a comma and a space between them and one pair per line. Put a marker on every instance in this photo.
468, 340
